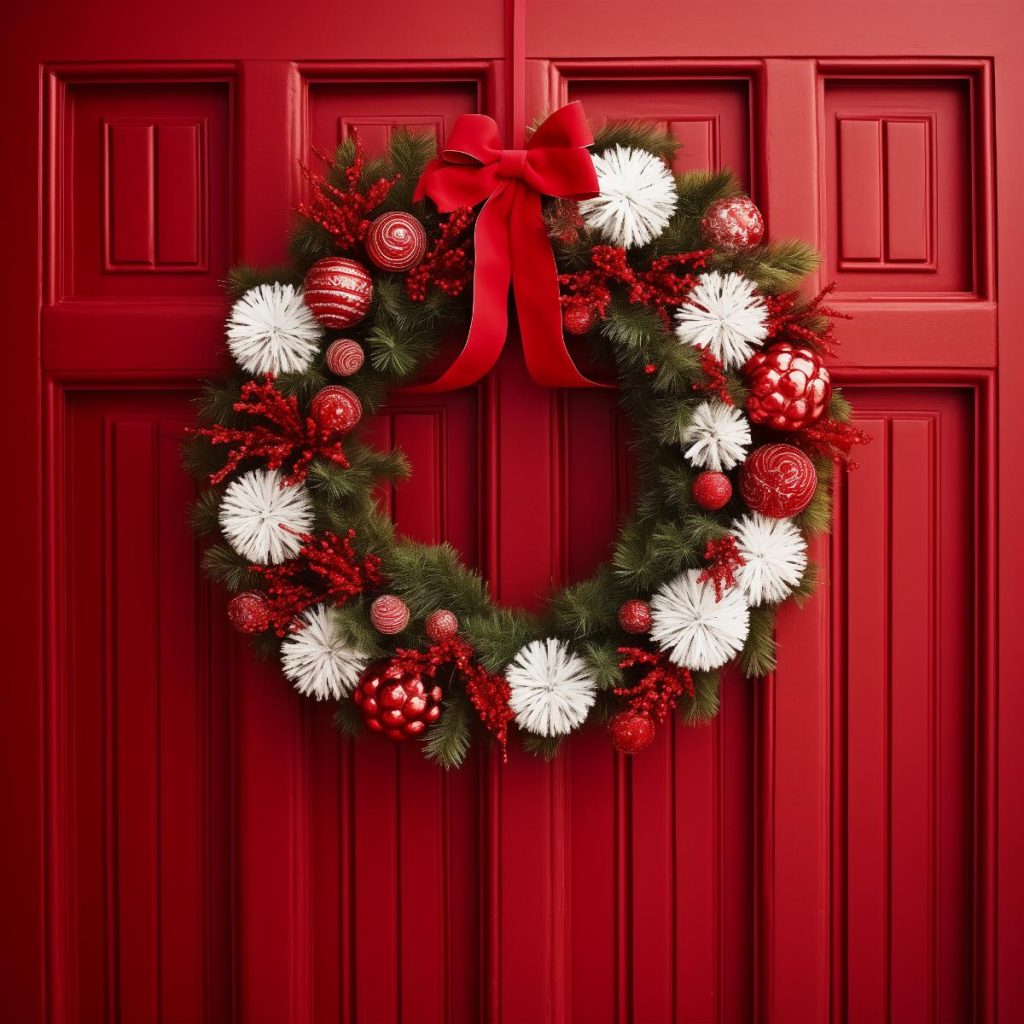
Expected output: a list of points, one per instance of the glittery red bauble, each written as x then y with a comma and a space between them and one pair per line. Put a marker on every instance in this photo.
335, 409
579, 319
248, 612
712, 490
631, 731
789, 387
635, 616
396, 241
344, 357
778, 480
731, 224
396, 703
442, 625
389, 614
338, 291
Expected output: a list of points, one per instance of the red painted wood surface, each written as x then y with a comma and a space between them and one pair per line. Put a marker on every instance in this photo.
187, 840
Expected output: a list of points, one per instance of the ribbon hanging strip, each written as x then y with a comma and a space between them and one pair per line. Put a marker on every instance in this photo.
511, 244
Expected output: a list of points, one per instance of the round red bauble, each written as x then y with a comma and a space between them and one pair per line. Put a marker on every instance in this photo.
635, 616
712, 490
338, 291
732, 224
396, 703
396, 241
389, 614
631, 731
778, 480
248, 612
442, 625
789, 387
335, 409
579, 319
345, 357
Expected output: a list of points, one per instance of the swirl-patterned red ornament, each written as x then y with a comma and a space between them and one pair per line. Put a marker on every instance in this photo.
249, 612
578, 320
389, 614
336, 409
338, 291
631, 731
789, 387
732, 224
442, 625
396, 703
712, 490
635, 616
345, 357
396, 241
778, 480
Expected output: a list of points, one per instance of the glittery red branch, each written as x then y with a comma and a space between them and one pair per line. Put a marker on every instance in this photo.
564, 221
448, 264
659, 690
792, 319
326, 568
831, 439
343, 211
723, 560
717, 383
289, 437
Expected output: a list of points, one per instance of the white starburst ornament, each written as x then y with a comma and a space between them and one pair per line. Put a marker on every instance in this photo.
260, 517
718, 436
637, 200
693, 627
551, 688
318, 658
271, 330
723, 314
775, 553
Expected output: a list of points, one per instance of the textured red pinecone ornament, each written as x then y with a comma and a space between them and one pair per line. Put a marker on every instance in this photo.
442, 625
389, 614
635, 616
395, 702
778, 480
338, 291
789, 387
578, 319
732, 224
712, 490
631, 731
249, 612
345, 357
336, 409
396, 241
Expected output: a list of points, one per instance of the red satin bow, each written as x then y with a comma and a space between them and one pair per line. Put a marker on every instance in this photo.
511, 242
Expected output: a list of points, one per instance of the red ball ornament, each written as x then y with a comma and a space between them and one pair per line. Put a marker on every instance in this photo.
335, 409
338, 291
778, 480
396, 241
635, 616
389, 614
345, 357
578, 319
732, 224
631, 731
789, 387
396, 703
248, 612
712, 490
442, 625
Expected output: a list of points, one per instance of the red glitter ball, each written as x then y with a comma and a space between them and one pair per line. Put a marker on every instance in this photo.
789, 387
389, 614
778, 480
712, 490
338, 291
345, 357
650, 368
731, 224
396, 241
335, 409
635, 616
249, 612
579, 319
395, 702
631, 731
442, 625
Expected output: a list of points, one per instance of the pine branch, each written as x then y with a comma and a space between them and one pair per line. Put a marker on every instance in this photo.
703, 705
447, 741
222, 564
638, 135
204, 514
348, 720
498, 635
758, 655
244, 276
775, 266
603, 662
541, 746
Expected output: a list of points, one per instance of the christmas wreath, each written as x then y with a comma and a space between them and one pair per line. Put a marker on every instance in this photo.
719, 365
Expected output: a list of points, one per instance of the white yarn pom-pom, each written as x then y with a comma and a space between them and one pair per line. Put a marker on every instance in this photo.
318, 658
551, 689
776, 556
271, 330
723, 314
260, 517
718, 436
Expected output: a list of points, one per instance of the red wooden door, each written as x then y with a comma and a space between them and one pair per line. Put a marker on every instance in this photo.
187, 840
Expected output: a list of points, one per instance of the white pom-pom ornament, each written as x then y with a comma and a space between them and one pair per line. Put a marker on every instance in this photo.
260, 518
724, 315
271, 330
318, 658
775, 553
718, 436
551, 688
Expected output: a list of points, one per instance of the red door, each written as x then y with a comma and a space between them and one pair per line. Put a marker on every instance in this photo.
187, 840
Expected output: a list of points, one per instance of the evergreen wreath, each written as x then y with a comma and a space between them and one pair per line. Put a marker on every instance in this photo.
737, 433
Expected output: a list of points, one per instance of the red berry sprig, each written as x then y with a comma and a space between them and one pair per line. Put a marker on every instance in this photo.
661, 686
723, 558
448, 264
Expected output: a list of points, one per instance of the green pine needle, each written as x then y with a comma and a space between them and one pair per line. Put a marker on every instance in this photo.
447, 741
758, 655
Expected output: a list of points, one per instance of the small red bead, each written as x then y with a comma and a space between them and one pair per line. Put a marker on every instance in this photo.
249, 612
635, 616
651, 368
631, 731
712, 490
579, 319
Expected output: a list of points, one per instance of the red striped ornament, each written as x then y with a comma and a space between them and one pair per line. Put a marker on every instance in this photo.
338, 291
396, 241
389, 614
442, 625
345, 357
778, 480
335, 409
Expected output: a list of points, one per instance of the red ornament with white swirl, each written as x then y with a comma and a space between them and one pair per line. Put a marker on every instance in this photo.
442, 625
336, 409
338, 291
345, 357
732, 224
396, 241
789, 386
248, 612
778, 480
389, 614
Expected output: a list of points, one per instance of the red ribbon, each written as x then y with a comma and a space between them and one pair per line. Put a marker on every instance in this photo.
511, 241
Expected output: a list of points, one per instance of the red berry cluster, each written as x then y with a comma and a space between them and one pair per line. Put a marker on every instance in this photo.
723, 560
792, 319
830, 439
661, 686
716, 382
448, 264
